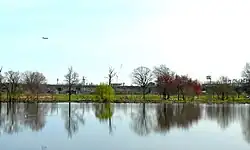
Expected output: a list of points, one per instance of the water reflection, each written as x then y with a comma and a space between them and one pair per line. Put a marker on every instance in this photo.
142, 122
72, 117
180, 116
141, 119
104, 113
223, 114
245, 122
15, 117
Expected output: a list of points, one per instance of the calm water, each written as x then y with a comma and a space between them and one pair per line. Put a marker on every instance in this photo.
124, 127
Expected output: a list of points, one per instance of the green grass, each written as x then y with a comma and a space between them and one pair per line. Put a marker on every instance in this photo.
133, 99
118, 98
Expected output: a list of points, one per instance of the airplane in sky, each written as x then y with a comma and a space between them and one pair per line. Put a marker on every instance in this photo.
45, 38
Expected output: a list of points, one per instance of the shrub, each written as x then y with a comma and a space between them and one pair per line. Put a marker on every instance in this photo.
105, 92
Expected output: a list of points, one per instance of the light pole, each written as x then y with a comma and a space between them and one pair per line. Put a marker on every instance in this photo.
83, 80
210, 85
83, 83
209, 78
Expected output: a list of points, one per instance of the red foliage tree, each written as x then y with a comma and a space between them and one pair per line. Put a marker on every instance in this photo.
182, 85
197, 87
165, 85
186, 85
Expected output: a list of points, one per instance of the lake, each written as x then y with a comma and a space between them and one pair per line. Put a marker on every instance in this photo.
78, 126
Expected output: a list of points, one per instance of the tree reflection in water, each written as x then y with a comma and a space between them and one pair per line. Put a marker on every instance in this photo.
35, 114
142, 122
181, 116
11, 124
245, 123
145, 118
14, 117
104, 113
224, 114
72, 117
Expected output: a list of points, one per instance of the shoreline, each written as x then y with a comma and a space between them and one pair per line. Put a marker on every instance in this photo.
132, 101
151, 98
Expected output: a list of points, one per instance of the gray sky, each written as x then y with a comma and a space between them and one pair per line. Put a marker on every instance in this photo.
194, 37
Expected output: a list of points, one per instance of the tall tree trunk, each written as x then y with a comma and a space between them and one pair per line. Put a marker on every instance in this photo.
164, 94
110, 81
143, 92
168, 95
222, 95
178, 92
69, 92
183, 95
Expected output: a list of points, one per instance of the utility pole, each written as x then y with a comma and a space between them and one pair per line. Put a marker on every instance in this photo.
83, 80
83, 83
210, 88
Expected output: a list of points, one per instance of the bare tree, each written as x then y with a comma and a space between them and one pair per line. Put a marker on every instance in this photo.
71, 78
246, 72
142, 76
12, 84
223, 88
111, 75
246, 78
34, 82
164, 78
162, 70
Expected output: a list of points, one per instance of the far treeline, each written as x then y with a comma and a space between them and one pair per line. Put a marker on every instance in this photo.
169, 84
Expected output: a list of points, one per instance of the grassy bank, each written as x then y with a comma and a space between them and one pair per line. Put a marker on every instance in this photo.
124, 99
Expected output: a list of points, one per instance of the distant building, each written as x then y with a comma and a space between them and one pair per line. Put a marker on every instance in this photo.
88, 89
116, 84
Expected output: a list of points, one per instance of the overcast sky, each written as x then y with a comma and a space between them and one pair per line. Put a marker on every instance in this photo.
194, 37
